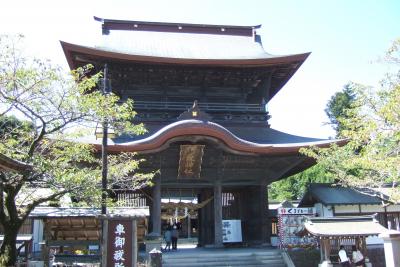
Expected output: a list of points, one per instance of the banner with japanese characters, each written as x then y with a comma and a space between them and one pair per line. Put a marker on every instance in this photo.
119, 244
291, 227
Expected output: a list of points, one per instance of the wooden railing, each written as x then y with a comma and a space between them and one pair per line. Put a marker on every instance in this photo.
155, 105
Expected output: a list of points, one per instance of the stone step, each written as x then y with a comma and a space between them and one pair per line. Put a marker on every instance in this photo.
229, 261
228, 265
196, 261
222, 258
224, 255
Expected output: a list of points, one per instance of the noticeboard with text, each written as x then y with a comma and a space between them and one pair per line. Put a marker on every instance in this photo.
231, 231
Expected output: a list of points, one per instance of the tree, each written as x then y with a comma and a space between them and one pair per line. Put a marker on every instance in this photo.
337, 106
294, 187
371, 159
53, 109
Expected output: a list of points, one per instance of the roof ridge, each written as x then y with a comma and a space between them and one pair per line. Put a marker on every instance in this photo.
133, 25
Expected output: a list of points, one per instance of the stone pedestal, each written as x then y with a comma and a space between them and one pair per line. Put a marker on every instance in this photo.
391, 241
155, 258
325, 264
153, 242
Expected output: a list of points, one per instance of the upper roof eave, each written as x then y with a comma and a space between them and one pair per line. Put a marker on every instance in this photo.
69, 49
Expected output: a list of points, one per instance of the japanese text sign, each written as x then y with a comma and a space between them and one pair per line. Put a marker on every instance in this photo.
119, 244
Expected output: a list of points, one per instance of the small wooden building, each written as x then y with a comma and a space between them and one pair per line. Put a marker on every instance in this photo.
74, 234
332, 200
333, 232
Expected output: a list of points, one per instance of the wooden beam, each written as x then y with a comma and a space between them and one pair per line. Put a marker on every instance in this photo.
73, 242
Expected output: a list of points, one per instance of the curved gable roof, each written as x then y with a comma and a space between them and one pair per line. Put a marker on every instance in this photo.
207, 129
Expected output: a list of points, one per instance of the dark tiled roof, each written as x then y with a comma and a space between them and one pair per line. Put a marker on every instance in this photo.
260, 135
179, 40
330, 194
344, 226
56, 212
260, 140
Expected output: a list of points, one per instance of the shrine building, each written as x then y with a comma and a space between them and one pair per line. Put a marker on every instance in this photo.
201, 92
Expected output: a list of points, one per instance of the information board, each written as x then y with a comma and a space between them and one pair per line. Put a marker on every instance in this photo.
231, 231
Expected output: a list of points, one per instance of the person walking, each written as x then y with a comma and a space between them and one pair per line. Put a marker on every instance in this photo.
344, 260
358, 257
174, 237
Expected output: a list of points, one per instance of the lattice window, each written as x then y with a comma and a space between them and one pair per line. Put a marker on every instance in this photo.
131, 200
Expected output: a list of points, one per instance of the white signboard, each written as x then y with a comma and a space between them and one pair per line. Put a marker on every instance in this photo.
296, 211
231, 231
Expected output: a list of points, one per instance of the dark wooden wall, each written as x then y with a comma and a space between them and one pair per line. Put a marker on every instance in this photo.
249, 204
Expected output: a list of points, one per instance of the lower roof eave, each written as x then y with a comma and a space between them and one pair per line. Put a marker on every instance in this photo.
263, 149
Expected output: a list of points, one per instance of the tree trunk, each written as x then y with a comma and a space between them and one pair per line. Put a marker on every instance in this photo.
8, 249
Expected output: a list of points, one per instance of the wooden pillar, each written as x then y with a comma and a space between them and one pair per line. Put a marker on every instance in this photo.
218, 214
206, 219
361, 244
134, 243
156, 207
189, 226
321, 250
27, 245
47, 238
265, 221
104, 235
200, 219
327, 249
391, 245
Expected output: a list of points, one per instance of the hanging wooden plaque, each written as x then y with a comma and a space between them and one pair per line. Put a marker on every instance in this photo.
190, 161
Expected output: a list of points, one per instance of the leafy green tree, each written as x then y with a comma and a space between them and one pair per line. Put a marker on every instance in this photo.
372, 156
53, 110
294, 187
338, 105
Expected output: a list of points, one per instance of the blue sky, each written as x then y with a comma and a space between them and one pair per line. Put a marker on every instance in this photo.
346, 38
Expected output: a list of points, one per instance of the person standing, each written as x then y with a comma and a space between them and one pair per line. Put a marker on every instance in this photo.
344, 260
174, 237
358, 257
168, 238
